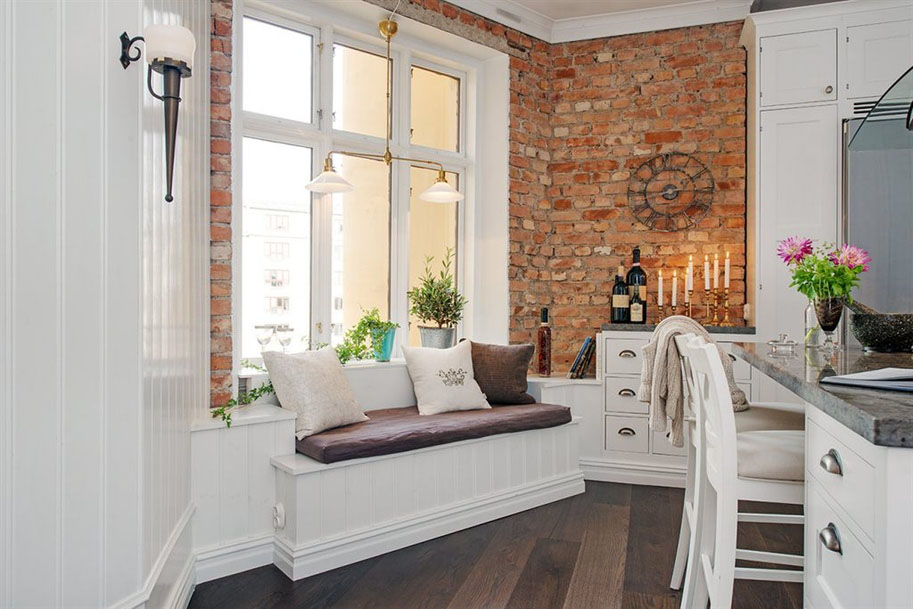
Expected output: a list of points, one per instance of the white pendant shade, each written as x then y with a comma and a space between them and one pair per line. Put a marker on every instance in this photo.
169, 42
441, 192
329, 182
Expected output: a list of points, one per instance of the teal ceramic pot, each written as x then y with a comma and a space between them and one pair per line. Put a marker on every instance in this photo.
383, 348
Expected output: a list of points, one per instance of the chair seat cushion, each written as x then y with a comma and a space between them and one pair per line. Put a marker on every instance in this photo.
772, 455
396, 430
770, 416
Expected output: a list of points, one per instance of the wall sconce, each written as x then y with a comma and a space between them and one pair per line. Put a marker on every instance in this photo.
169, 51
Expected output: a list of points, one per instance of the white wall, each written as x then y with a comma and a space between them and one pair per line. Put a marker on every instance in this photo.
103, 302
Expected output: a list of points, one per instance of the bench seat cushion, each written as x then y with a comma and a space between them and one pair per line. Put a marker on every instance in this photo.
396, 430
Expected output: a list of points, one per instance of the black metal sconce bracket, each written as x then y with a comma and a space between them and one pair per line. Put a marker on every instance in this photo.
126, 43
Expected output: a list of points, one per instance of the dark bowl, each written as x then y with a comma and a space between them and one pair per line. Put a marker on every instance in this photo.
884, 333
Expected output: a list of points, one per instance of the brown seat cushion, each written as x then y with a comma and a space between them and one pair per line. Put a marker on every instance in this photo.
396, 430
500, 371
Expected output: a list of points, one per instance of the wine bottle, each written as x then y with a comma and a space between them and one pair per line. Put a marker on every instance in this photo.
545, 345
636, 276
620, 299
639, 305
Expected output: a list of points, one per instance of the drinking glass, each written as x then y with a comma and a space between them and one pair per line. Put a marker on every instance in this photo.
285, 336
264, 334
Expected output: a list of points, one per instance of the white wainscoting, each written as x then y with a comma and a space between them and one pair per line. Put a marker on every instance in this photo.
234, 488
103, 307
344, 512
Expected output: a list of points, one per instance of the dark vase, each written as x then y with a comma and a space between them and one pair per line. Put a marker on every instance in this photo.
828, 311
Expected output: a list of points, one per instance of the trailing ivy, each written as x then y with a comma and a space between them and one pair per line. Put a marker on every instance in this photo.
243, 399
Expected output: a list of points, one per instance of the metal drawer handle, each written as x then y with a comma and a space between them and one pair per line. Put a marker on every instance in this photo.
732, 357
829, 89
627, 393
830, 538
626, 353
626, 431
830, 463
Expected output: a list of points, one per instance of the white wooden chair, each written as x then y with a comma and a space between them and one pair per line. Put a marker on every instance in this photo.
760, 416
732, 466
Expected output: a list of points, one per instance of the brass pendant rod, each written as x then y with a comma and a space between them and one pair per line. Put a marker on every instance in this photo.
328, 164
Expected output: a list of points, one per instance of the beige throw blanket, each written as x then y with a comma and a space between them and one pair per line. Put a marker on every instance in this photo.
661, 377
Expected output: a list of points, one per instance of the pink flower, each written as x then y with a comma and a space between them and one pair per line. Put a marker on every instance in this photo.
851, 257
793, 249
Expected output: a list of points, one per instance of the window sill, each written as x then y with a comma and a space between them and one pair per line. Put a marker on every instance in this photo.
252, 414
253, 373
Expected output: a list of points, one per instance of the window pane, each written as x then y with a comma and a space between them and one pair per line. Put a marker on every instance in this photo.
277, 71
359, 91
361, 243
435, 109
432, 229
276, 242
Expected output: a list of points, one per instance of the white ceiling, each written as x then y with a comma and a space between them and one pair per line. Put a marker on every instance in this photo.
567, 20
567, 9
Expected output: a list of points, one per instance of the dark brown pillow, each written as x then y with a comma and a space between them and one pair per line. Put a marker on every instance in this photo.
500, 371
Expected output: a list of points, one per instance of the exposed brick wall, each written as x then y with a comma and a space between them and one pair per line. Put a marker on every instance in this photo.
220, 202
581, 115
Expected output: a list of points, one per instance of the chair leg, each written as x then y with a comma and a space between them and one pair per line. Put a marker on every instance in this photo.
727, 518
695, 593
684, 531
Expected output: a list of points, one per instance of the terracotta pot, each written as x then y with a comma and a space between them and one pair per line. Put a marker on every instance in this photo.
828, 311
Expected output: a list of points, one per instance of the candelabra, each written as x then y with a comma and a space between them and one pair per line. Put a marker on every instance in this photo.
674, 310
661, 310
707, 306
726, 323
716, 306
690, 300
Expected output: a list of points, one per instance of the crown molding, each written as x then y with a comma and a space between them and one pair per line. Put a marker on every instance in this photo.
533, 23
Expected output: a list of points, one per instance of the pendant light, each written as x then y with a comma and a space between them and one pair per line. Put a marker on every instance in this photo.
331, 182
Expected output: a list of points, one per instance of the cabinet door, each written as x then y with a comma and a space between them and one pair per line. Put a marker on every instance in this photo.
798, 197
876, 56
799, 68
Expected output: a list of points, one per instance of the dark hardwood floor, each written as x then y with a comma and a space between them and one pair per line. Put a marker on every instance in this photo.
611, 547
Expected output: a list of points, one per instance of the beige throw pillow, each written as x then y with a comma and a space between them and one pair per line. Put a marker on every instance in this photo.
314, 385
443, 379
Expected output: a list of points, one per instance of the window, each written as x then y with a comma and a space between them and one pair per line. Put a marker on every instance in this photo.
316, 262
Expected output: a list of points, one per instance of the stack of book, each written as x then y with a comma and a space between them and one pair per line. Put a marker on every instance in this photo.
585, 356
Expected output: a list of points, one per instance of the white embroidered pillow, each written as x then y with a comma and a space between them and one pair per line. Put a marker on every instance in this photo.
443, 379
314, 385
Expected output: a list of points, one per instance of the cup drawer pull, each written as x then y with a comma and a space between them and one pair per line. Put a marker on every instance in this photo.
732, 357
830, 463
830, 538
626, 431
626, 393
626, 353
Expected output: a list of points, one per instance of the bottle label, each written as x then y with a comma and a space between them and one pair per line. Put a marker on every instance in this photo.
637, 313
620, 301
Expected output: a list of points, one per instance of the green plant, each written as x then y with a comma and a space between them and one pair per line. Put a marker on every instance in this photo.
253, 395
370, 328
823, 271
436, 298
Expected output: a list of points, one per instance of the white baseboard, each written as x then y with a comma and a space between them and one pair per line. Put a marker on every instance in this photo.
607, 471
298, 563
234, 558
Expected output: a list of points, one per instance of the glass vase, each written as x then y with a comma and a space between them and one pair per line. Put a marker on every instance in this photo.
812, 329
828, 312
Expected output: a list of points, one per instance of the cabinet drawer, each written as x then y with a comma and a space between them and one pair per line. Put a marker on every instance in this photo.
621, 395
623, 356
877, 54
853, 483
662, 446
627, 434
741, 370
834, 579
798, 68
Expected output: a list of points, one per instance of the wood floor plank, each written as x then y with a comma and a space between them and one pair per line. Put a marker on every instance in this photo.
546, 576
652, 539
599, 574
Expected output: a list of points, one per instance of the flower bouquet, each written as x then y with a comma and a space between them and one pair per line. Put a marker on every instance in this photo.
826, 274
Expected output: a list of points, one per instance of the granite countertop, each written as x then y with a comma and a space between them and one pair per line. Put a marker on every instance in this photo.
884, 418
651, 327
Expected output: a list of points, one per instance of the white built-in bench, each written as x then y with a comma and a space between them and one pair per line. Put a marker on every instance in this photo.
260, 502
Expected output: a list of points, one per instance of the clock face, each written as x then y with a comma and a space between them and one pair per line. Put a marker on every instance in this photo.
671, 192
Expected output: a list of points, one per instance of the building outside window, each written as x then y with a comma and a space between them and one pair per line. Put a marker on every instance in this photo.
334, 256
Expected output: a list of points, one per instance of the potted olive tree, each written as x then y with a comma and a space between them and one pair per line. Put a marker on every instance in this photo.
437, 300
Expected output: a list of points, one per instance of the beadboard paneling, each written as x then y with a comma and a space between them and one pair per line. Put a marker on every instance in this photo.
103, 350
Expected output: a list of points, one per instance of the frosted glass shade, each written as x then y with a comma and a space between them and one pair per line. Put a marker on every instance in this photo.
328, 182
174, 42
441, 192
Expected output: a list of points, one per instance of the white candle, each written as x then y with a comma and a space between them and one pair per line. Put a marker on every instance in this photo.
687, 285
674, 287
659, 292
716, 271
689, 279
706, 273
726, 272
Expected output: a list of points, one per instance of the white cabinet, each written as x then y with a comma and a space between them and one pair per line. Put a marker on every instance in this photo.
798, 68
876, 56
799, 170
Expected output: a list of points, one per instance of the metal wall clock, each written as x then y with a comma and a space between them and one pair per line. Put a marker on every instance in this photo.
671, 192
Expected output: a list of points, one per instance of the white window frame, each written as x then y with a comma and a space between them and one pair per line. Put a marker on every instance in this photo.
321, 137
